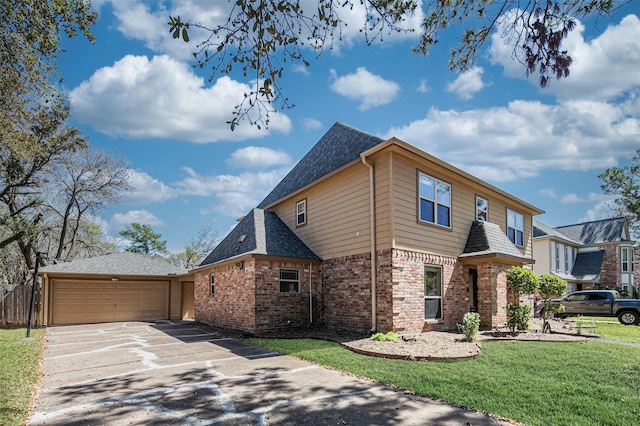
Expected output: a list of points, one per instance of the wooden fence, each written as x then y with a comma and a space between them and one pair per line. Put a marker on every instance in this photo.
14, 306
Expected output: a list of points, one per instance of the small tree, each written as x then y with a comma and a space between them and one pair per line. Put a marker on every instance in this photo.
521, 281
549, 287
144, 240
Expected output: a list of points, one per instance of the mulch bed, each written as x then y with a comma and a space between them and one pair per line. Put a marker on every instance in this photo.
433, 345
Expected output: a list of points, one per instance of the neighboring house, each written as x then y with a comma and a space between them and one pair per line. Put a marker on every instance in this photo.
115, 287
591, 255
368, 234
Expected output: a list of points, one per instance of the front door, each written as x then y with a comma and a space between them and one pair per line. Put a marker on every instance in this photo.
473, 297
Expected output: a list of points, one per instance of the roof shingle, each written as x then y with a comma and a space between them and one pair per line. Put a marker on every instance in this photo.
124, 263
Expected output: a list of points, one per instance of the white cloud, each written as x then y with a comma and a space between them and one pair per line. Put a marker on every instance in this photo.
235, 195
526, 137
163, 98
369, 89
423, 87
311, 124
548, 192
602, 210
146, 189
467, 84
254, 157
615, 52
144, 217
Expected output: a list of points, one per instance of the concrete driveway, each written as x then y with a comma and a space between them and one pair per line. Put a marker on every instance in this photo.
175, 373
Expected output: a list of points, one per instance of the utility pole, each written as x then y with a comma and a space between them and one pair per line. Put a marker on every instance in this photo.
33, 294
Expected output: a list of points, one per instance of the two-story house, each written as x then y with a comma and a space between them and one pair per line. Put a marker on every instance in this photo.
368, 234
590, 255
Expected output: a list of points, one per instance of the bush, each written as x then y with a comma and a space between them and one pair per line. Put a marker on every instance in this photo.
470, 326
385, 337
518, 317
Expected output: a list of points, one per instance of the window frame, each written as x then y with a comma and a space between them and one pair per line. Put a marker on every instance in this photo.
436, 269
302, 203
515, 229
628, 262
435, 201
296, 281
485, 211
212, 285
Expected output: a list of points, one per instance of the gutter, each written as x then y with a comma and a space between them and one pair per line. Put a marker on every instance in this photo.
372, 225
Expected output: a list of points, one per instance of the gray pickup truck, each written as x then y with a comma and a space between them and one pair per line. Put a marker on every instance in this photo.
600, 303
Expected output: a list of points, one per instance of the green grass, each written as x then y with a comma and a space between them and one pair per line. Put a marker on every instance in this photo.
617, 331
19, 359
537, 383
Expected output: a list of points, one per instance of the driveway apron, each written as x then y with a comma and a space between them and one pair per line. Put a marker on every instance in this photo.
175, 373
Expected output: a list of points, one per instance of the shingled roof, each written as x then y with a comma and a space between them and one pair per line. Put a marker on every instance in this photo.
596, 232
124, 263
260, 232
339, 146
486, 238
540, 230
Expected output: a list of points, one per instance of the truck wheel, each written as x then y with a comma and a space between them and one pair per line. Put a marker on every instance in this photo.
628, 317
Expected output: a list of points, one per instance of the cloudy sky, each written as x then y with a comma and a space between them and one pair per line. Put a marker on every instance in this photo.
137, 94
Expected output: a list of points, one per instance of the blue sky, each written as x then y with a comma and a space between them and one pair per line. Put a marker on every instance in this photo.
136, 94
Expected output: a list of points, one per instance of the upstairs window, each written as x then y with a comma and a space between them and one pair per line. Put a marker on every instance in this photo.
301, 213
482, 209
515, 228
434, 201
289, 280
212, 285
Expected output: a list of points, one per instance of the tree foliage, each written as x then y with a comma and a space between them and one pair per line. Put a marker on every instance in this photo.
142, 239
260, 37
196, 249
520, 281
624, 182
551, 287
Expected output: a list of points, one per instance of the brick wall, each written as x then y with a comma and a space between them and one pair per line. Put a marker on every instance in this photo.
347, 292
408, 291
492, 293
610, 272
275, 310
233, 302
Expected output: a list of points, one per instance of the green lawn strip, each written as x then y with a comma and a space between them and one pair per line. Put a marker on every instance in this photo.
19, 358
617, 331
537, 383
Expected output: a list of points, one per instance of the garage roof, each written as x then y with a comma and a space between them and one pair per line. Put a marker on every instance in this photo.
125, 263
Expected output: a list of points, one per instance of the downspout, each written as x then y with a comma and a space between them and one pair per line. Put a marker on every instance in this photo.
310, 296
372, 225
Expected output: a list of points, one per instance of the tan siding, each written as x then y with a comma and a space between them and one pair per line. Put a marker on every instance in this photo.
337, 214
410, 234
541, 251
383, 204
175, 300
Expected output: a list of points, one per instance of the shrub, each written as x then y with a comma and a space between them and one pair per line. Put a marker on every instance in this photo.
551, 286
385, 337
470, 326
521, 281
518, 317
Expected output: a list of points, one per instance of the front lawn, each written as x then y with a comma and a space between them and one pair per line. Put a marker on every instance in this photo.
611, 329
19, 358
537, 383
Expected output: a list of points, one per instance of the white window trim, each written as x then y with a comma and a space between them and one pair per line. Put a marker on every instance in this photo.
302, 203
435, 297
435, 201
280, 280
486, 211
515, 234
627, 262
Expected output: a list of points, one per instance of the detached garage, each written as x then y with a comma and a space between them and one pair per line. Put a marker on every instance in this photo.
116, 287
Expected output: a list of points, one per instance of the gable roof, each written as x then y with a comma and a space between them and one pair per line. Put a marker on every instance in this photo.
596, 232
586, 267
124, 263
339, 146
486, 238
260, 232
540, 230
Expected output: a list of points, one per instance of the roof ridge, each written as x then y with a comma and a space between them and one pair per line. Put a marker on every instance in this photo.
591, 221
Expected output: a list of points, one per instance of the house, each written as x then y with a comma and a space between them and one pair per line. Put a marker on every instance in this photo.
367, 234
590, 255
115, 287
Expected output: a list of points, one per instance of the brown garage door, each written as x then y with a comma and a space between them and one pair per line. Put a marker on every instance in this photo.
77, 302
